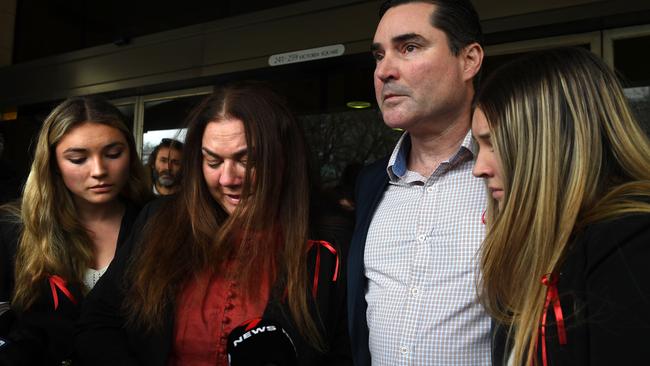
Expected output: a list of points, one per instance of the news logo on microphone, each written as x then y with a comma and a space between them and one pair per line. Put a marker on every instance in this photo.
261, 342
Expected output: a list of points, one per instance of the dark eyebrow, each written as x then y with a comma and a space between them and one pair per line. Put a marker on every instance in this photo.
238, 154
83, 150
408, 37
74, 150
114, 144
485, 136
399, 40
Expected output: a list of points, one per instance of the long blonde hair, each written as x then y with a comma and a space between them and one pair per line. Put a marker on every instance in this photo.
53, 241
572, 154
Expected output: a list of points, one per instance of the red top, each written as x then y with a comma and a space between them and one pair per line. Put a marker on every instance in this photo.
208, 309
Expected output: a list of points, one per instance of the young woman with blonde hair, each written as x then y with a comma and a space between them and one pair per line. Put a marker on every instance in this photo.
84, 189
235, 243
565, 260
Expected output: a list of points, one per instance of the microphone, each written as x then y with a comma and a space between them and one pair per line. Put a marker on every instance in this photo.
261, 342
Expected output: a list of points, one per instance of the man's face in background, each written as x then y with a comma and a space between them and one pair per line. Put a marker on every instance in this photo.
167, 167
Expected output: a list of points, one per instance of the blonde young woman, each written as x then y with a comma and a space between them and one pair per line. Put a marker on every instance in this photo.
565, 261
84, 189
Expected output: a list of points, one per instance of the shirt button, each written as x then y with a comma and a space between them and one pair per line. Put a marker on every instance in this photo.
415, 291
422, 238
431, 189
403, 350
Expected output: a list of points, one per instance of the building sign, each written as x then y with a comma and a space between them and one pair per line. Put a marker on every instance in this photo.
307, 55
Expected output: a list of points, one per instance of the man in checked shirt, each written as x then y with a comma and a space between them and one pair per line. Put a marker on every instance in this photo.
413, 263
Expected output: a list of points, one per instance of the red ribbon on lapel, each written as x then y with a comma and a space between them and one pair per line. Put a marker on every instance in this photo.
58, 282
332, 250
550, 281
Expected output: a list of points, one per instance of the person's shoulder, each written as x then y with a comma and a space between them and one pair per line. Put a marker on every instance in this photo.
620, 234
620, 228
376, 166
373, 173
10, 212
159, 203
10, 222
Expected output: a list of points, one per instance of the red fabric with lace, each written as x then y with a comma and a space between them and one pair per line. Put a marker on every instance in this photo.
207, 311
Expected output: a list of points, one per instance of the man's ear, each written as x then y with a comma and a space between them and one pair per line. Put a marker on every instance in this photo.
472, 59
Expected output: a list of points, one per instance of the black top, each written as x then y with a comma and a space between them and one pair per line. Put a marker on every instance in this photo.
105, 339
604, 291
41, 335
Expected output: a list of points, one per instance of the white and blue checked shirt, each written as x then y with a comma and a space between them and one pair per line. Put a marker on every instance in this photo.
421, 259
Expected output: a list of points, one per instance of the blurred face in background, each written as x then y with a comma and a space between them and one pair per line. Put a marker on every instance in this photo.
167, 166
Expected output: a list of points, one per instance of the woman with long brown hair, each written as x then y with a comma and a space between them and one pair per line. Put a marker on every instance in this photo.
565, 260
84, 190
234, 243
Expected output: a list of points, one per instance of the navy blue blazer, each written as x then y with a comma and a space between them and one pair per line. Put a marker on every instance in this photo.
371, 185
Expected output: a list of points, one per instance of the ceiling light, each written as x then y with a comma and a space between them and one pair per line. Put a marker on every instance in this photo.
358, 104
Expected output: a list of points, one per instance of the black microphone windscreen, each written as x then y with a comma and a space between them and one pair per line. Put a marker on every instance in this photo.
261, 342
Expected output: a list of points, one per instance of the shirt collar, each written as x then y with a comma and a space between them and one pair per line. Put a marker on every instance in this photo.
397, 164
470, 144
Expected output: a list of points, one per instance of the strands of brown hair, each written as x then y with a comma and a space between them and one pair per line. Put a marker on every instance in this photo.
266, 235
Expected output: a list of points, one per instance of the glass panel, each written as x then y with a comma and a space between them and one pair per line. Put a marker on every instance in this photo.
165, 119
639, 99
633, 69
635, 75
337, 140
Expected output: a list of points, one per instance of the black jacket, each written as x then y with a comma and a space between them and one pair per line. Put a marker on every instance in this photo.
104, 339
604, 292
41, 335
371, 185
